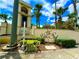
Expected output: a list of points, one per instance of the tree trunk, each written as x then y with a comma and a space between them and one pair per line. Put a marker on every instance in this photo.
60, 22
37, 22
14, 23
55, 17
6, 27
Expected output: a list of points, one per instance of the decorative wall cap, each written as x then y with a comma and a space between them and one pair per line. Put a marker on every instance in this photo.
25, 3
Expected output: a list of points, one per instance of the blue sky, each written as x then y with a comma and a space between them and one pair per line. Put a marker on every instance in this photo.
6, 6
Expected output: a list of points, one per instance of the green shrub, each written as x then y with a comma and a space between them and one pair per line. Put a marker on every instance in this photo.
41, 40
30, 45
4, 40
67, 43
29, 41
31, 48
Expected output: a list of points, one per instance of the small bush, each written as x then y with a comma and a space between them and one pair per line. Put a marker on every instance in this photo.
67, 43
41, 40
30, 45
31, 48
4, 40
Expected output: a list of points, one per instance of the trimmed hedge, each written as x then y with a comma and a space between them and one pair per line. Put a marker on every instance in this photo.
29, 41
41, 40
65, 42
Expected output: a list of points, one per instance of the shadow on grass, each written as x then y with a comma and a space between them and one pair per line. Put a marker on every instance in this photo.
11, 55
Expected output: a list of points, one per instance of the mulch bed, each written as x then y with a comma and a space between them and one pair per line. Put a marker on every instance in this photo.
42, 46
2, 45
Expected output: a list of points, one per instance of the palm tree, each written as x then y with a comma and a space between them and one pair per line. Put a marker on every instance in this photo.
70, 22
75, 10
59, 12
72, 15
37, 13
74, 4
4, 17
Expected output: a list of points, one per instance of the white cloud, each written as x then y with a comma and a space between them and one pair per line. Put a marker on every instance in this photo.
5, 1
53, 24
78, 22
78, 7
1, 20
64, 18
62, 2
28, 1
57, 5
48, 20
46, 13
48, 9
10, 2
3, 4
52, 20
41, 26
9, 21
71, 8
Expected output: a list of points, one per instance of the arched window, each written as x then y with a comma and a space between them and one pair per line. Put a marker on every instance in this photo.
23, 9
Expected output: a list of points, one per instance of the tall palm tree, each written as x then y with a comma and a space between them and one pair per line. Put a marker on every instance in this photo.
74, 4
75, 10
59, 12
69, 24
71, 18
37, 13
72, 15
5, 17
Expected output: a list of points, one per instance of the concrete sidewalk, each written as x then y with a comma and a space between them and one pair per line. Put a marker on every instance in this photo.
51, 54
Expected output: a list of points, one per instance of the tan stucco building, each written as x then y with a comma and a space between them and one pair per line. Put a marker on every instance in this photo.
24, 15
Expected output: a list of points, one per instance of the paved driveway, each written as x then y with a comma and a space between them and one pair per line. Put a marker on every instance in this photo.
51, 54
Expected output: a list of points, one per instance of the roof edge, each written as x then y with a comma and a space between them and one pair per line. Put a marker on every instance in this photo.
24, 3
